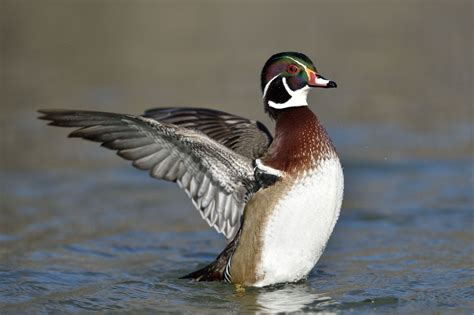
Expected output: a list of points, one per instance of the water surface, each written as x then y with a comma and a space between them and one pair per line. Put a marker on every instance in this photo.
115, 240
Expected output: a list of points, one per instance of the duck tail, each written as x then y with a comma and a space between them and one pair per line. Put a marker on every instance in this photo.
212, 272
217, 270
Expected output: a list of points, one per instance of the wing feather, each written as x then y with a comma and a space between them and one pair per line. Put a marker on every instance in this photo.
218, 180
247, 137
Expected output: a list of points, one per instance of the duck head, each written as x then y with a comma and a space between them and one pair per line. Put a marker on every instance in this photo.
286, 80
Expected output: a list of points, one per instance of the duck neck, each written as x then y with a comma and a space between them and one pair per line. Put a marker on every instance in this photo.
300, 142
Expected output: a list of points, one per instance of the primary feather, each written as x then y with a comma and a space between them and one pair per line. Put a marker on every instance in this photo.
218, 180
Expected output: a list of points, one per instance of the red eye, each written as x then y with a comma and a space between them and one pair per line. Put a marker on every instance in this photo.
292, 69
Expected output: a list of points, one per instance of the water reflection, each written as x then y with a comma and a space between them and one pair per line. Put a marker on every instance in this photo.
290, 298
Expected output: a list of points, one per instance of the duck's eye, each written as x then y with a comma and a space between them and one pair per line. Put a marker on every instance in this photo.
292, 69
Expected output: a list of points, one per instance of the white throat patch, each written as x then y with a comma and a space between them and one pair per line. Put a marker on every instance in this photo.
298, 97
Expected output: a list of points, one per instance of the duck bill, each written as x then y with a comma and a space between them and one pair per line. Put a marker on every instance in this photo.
317, 80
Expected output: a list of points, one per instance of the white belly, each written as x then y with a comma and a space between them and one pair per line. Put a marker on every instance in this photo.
298, 229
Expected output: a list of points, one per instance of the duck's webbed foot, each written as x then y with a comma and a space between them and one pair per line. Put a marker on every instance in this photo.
239, 289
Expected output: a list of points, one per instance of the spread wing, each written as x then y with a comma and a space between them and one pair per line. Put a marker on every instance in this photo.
246, 137
218, 180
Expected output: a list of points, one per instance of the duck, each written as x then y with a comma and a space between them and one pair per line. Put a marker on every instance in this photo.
275, 198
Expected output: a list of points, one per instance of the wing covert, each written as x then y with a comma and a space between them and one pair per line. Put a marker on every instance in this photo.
247, 137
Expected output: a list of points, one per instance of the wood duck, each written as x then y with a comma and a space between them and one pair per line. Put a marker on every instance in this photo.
276, 199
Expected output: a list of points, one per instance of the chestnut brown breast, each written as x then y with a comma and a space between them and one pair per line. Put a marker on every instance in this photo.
300, 141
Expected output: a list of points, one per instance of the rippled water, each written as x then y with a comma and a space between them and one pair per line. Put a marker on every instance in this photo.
81, 230
113, 239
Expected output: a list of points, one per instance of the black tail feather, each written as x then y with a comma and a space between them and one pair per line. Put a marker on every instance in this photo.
215, 270
211, 272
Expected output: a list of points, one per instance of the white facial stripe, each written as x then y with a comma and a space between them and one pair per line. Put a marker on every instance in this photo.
300, 63
322, 82
268, 84
287, 88
298, 97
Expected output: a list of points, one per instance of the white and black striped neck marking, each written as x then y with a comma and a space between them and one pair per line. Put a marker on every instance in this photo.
295, 98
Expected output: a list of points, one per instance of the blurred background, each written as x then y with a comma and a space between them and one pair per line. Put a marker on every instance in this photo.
401, 119
403, 67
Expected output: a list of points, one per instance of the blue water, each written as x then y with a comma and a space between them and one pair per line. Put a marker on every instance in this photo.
113, 239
